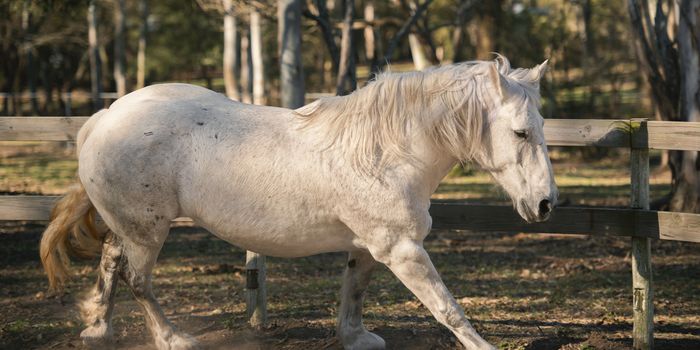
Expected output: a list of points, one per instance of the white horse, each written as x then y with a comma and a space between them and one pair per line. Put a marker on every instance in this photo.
351, 173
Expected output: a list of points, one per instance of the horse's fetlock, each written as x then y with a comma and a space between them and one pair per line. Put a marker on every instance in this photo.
92, 308
97, 334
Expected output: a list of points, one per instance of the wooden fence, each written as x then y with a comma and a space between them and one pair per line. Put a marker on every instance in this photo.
637, 222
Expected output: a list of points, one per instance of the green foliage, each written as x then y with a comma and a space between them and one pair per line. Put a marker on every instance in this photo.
182, 40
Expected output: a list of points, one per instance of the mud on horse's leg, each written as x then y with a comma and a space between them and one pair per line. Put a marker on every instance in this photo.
137, 274
96, 309
351, 331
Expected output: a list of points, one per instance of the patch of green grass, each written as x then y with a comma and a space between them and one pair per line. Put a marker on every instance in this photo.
17, 326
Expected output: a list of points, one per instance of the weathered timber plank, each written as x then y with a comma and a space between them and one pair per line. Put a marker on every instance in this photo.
26, 208
256, 290
587, 132
682, 136
642, 281
40, 128
558, 132
669, 225
570, 220
477, 217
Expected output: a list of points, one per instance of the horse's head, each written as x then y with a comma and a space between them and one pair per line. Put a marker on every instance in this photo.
516, 152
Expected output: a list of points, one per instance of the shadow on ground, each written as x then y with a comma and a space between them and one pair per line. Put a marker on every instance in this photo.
520, 291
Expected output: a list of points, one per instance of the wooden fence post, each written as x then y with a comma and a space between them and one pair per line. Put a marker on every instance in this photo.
256, 291
68, 102
642, 297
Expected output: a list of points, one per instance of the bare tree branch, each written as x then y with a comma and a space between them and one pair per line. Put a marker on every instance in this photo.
323, 21
402, 33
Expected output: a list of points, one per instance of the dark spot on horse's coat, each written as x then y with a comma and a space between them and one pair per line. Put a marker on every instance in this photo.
149, 133
352, 263
150, 210
216, 136
92, 180
146, 185
204, 109
200, 123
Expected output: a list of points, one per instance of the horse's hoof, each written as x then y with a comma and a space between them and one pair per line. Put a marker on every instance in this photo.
98, 335
178, 341
363, 341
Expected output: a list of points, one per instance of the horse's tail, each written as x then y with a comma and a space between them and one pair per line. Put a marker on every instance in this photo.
72, 230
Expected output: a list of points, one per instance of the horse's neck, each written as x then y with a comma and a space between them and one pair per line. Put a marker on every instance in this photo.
432, 164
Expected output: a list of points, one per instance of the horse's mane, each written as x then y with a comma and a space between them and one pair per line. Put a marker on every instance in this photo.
451, 104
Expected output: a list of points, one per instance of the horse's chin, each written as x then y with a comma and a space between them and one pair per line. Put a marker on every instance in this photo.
526, 212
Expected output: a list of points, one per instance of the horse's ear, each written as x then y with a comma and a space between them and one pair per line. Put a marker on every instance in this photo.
498, 80
537, 72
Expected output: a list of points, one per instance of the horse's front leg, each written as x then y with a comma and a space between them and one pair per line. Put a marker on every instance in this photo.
351, 331
409, 261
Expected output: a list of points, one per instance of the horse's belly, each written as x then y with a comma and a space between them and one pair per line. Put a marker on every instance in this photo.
285, 237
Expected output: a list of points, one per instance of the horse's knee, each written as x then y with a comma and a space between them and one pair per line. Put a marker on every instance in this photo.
397, 253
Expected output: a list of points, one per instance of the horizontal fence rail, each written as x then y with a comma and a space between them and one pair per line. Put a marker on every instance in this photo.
558, 132
479, 217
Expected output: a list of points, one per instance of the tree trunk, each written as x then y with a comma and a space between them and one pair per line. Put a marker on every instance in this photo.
370, 35
256, 43
347, 80
31, 67
403, 31
487, 29
119, 54
291, 67
657, 56
457, 39
420, 60
232, 63
141, 56
95, 61
685, 192
674, 78
246, 69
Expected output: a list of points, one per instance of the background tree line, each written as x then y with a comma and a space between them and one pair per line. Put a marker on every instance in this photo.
609, 59
45, 45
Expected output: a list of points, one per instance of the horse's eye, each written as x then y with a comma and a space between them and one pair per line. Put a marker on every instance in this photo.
521, 134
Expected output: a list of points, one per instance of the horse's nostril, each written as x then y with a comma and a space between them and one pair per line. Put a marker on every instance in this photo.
545, 207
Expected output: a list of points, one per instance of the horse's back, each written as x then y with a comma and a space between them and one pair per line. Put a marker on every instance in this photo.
142, 146
177, 146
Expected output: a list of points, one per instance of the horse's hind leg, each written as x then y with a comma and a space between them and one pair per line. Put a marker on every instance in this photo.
351, 331
96, 309
140, 259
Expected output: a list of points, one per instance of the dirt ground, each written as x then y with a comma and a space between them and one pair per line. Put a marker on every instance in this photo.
520, 292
